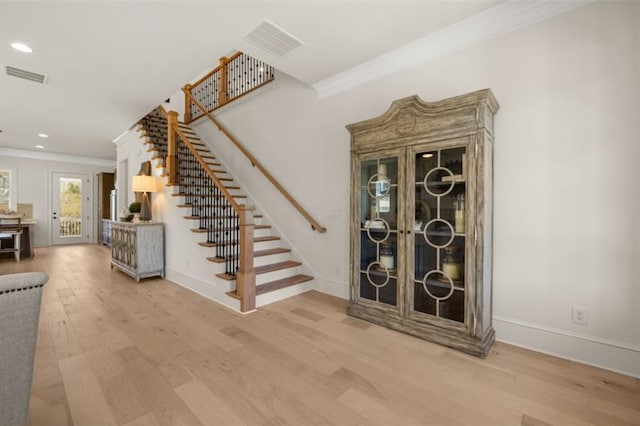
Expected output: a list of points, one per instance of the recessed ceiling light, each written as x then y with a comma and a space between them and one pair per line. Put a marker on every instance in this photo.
43, 135
21, 47
39, 146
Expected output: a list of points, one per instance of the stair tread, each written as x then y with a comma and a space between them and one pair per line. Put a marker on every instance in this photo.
276, 285
191, 217
178, 194
276, 266
202, 231
282, 283
264, 269
258, 253
255, 240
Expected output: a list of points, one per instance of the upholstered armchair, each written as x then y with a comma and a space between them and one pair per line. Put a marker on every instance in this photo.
20, 297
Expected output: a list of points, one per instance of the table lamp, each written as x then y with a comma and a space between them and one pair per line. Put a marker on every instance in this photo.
144, 184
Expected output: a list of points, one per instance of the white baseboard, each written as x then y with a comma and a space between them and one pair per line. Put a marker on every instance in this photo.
333, 288
620, 357
210, 290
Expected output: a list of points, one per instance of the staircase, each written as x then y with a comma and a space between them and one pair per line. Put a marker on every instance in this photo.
203, 202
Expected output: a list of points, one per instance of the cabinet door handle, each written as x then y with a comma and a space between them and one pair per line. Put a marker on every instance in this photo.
408, 231
401, 231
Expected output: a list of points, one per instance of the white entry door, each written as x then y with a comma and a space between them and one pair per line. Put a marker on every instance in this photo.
71, 208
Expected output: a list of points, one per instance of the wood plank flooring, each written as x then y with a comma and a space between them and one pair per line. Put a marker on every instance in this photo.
113, 352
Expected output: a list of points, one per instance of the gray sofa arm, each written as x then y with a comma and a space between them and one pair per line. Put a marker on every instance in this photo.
20, 297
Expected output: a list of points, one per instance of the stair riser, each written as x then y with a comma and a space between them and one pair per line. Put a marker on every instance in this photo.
284, 293
264, 245
274, 258
262, 232
276, 275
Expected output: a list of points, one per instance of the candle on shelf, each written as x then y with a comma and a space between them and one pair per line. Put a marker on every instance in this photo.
452, 270
386, 257
459, 214
382, 170
450, 265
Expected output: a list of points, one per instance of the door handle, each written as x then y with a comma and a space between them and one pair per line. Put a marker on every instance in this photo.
54, 215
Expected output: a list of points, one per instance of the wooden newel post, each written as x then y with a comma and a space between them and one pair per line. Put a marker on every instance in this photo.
222, 89
246, 277
187, 104
172, 149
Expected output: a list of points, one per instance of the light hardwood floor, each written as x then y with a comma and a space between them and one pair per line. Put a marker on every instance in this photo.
112, 352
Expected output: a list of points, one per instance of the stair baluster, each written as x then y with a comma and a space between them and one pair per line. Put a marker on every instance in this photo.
218, 215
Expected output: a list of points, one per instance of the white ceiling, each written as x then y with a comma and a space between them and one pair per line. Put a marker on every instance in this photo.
109, 63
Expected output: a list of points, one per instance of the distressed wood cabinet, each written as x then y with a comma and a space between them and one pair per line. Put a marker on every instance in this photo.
421, 219
137, 249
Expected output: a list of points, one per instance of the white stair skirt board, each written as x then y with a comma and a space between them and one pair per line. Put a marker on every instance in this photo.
214, 290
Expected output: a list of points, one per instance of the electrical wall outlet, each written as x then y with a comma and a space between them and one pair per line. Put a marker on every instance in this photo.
580, 315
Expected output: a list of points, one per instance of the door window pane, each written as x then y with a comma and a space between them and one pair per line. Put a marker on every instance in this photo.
70, 207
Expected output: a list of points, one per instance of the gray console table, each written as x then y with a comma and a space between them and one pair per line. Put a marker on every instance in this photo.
137, 249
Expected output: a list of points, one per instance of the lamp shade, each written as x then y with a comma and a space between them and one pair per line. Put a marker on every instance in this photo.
143, 184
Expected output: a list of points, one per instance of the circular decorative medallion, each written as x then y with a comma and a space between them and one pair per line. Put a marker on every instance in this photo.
375, 225
434, 181
438, 233
379, 267
380, 185
441, 286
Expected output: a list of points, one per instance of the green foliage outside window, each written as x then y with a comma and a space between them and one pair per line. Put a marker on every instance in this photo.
5, 190
70, 197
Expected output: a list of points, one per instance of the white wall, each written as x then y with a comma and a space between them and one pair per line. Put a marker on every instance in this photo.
34, 186
567, 202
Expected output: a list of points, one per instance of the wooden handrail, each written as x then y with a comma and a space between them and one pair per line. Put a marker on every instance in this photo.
255, 163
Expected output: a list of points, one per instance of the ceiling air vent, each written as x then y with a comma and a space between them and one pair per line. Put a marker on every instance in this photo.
272, 38
27, 75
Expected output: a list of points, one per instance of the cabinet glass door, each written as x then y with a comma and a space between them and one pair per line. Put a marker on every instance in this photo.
378, 217
439, 238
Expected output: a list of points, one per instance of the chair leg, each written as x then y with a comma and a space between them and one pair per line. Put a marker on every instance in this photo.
16, 246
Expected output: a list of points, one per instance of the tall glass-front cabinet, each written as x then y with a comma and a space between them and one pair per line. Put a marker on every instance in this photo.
421, 209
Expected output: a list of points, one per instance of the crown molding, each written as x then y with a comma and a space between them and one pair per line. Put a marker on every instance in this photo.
49, 156
503, 18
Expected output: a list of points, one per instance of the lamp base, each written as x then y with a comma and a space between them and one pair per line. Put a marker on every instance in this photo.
145, 208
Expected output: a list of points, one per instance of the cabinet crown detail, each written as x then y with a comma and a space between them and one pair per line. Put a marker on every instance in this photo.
422, 217
411, 117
